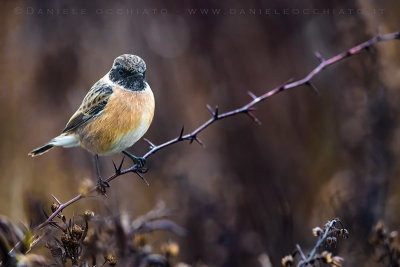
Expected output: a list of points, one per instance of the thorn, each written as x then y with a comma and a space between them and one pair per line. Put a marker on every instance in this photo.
195, 138
282, 86
288, 81
319, 56
312, 86
210, 109
181, 134
253, 117
120, 165
115, 167
150, 143
119, 168
214, 113
251, 94
143, 178
58, 201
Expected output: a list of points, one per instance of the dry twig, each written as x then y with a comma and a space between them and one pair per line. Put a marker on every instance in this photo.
327, 236
246, 109
322, 239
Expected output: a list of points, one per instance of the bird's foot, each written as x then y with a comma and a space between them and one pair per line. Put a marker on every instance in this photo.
102, 186
138, 165
140, 162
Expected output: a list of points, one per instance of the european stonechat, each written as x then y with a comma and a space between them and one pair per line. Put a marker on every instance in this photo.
115, 113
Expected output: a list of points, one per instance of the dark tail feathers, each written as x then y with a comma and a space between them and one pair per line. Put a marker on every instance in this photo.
40, 150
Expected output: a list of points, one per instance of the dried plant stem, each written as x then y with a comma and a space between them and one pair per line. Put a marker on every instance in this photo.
246, 109
319, 243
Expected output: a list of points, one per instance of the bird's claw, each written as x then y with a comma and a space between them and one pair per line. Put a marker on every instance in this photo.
138, 161
139, 169
102, 186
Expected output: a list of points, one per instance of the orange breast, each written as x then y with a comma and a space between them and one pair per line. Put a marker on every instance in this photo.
124, 120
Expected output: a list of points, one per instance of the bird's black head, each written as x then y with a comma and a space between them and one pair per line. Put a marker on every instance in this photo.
128, 71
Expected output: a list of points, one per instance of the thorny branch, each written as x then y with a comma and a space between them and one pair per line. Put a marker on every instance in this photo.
246, 109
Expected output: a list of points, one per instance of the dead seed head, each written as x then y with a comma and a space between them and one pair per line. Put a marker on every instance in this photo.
170, 249
77, 231
139, 240
317, 231
111, 259
85, 186
54, 206
88, 215
287, 261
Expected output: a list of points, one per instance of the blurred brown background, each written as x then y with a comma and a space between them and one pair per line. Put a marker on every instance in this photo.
253, 189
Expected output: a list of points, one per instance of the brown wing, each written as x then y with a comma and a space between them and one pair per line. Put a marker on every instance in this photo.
92, 106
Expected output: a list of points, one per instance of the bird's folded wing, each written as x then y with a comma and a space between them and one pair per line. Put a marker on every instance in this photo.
92, 106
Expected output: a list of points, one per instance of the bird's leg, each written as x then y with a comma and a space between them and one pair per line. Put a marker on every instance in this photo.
139, 161
101, 185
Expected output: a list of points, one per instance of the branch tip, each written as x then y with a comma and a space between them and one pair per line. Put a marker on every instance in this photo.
251, 94
199, 142
300, 252
214, 112
210, 109
149, 143
58, 201
313, 87
253, 117
319, 56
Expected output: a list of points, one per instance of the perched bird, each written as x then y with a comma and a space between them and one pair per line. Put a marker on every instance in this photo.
116, 112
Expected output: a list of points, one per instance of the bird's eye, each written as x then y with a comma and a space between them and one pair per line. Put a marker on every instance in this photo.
120, 71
